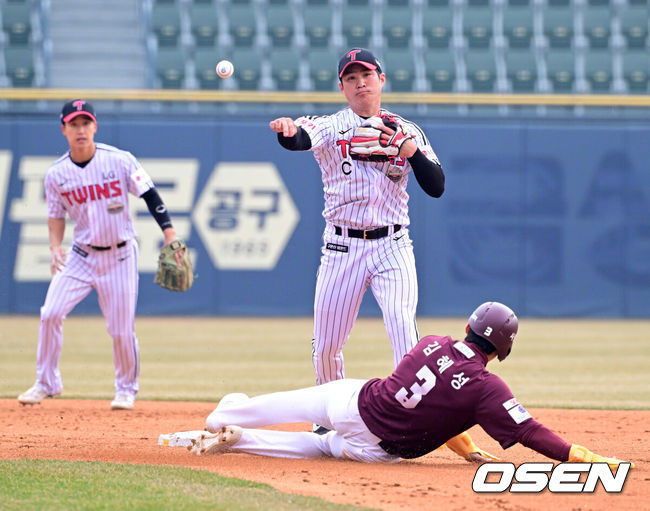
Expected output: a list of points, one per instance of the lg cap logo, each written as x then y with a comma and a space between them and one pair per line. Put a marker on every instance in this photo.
534, 477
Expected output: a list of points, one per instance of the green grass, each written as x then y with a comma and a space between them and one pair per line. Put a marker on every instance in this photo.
555, 363
61, 485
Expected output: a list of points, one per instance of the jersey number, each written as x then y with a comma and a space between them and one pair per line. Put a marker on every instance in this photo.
427, 380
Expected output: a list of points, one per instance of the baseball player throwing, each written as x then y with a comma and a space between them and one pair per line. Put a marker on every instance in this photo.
91, 183
366, 238
439, 389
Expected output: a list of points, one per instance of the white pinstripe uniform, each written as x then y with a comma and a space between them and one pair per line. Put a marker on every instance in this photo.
96, 198
361, 195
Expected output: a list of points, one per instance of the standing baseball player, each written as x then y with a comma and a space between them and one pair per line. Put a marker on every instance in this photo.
366, 238
91, 183
365, 154
439, 389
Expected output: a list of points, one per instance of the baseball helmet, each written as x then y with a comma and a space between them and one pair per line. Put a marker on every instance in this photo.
497, 324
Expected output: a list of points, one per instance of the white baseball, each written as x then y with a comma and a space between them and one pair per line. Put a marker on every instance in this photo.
225, 68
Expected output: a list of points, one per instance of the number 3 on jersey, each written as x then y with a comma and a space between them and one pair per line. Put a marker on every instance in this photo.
418, 389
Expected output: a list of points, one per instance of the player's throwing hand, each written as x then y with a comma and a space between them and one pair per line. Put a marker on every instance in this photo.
284, 125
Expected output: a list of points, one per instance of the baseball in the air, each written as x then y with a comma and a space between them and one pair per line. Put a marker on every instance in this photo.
225, 69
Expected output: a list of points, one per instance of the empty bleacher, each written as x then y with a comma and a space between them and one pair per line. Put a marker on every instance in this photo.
502, 46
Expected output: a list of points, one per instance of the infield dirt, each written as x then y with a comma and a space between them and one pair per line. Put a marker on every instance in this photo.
88, 430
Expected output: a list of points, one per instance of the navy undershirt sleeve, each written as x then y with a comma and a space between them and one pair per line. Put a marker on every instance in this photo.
157, 208
428, 174
299, 142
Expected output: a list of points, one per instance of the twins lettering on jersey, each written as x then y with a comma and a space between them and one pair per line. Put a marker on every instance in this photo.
93, 192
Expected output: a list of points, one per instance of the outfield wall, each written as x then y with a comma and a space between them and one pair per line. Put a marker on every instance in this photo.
549, 216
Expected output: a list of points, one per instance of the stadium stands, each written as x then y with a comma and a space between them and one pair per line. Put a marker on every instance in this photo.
518, 26
477, 26
322, 68
636, 71
166, 22
437, 26
16, 21
426, 45
21, 44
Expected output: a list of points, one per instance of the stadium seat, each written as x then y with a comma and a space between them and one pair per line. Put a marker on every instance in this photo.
279, 22
518, 23
357, 26
247, 68
636, 71
318, 26
438, 3
204, 64
557, 3
518, 3
521, 70
397, 26
322, 68
634, 26
598, 2
358, 2
170, 67
16, 22
560, 66
242, 24
477, 26
437, 26
597, 21
400, 70
284, 68
166, 23
19, 65
440, 70
481, 70
558, 26
598, 70
204, 22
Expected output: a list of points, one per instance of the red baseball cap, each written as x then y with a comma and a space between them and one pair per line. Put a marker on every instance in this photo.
358, 56
75, 108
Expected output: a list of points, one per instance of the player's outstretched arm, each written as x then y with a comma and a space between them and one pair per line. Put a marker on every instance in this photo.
541, 439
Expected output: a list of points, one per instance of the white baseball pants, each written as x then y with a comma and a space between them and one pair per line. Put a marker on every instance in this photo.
114, 275
333, 405
387, 265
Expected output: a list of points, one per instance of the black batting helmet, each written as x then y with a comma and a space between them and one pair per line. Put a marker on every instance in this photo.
497, 324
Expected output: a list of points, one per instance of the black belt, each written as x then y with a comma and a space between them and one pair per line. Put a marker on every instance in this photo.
374, 234
119, 245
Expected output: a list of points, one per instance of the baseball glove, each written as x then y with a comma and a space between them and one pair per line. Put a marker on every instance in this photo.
367, 144
170, 274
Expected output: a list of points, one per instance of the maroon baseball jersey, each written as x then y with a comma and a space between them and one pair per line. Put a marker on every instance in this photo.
440, 389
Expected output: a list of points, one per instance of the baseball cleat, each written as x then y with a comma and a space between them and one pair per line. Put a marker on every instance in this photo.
219, 442
123, 401
34, 395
